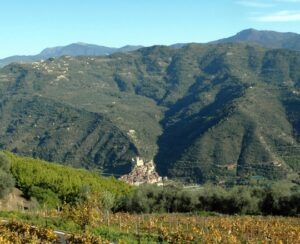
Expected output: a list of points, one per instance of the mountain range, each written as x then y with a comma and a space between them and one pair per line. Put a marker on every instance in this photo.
269, 39
226, 112
74, 49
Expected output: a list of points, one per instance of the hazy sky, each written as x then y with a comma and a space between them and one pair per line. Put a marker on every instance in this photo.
28, 26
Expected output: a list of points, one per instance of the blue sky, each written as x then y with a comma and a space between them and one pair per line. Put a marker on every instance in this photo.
29, 26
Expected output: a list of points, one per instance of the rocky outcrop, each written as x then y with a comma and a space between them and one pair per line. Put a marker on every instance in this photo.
16, 201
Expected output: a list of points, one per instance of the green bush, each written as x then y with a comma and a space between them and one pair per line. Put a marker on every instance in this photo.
6, 183
283, 200
45, 197
6, 179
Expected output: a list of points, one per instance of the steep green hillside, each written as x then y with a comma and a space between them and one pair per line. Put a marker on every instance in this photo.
57, 132
234, 119
54, 184
226, 112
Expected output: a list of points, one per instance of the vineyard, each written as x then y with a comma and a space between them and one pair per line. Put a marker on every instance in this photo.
19, 233
164, 228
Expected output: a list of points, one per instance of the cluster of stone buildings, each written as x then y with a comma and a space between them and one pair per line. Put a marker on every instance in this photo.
142, 173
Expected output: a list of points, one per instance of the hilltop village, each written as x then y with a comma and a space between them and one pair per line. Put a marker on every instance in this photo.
143, 173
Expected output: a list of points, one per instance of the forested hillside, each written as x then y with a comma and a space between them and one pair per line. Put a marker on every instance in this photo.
227, 112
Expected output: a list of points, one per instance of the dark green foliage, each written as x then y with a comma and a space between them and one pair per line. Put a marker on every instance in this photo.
281, 199
4, 163
6, 183
6, 180
274, 200
44, 196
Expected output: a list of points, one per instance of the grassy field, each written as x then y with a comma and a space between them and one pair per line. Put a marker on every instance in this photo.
155, 228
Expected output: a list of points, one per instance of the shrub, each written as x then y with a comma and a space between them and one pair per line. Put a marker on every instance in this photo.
6, 179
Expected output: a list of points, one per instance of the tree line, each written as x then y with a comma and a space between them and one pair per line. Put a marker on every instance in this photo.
281, 198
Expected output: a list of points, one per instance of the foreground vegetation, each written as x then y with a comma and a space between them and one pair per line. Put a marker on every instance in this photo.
52, 184
89, 208
18, 232
281, 198
6, 178
164, 228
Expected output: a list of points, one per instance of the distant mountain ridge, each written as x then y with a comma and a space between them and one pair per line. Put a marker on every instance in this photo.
269, 39
74, 49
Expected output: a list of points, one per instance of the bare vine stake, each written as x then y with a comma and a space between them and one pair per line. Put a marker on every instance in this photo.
107, 220
139, 230
136, 228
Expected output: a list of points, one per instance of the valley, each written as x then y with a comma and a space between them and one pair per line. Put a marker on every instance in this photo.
150, 122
